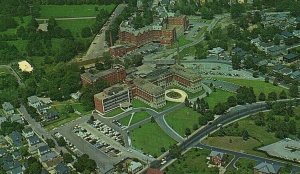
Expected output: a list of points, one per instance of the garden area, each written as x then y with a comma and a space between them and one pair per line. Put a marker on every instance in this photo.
151, 139
135, 118
183, 119
173, 94
193, 161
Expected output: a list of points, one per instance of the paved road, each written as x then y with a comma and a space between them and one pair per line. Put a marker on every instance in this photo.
248, 156
13, 73
97, 47
38, 129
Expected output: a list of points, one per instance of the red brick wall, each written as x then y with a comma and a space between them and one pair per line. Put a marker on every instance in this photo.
98, 104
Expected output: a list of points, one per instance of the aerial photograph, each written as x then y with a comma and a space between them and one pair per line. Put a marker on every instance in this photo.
149, 86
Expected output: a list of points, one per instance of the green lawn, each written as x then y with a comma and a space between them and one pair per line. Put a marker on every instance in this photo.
220, 96
181, 119
258, 86
4, 71
19, 44
137, 117
72, 10
66, 118
24, 22
60, 106
150, 138
75, 26
193, 162
182, 41
114, 112
245, 166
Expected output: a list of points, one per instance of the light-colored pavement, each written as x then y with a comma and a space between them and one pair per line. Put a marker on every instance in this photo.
97, 48
12, 71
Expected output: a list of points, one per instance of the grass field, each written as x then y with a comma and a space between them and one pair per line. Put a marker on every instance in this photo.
19, 44
4, 71
194, 161
20, 22
75, 26
66, 118
245, 166
114, 112
150, 138
60, 106
181, 119
137, 117
220, 96
258, 86
72, 10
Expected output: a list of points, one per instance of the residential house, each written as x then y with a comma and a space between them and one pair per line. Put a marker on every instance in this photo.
3, 152
33, 140
295, 75
287, 34
16, 154
216, 158
286, 71
277, 68
276, 50
51, 115
134, 167
11, 166
296, 33
27, 132
2, 119
8, 108
62, 168
76, 96
291, 57
34, 101
266, 168
43, 150
17, 118
15, 139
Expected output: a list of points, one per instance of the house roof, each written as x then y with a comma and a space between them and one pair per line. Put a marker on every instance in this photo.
33, 99
295, 74
267, 168
290, 56
62, 168
16, 138
216, 153
33, 139
15, 118
44, 149
7, 106
134, 165
48, 156
286, 71
154, 171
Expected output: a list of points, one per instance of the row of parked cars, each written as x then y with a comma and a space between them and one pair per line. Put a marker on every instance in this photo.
108, 131
69, 144
96, 141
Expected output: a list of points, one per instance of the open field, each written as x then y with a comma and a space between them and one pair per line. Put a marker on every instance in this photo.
4, 71
66, 118
220, 96
150, 139
113, 112
60, 106
48, 11
137, 117
194, 161
75, 26
181, 119
258, 86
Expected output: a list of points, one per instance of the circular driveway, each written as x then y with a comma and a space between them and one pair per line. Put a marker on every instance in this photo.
177, 100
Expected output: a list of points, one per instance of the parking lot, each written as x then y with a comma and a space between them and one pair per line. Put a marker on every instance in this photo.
222, 85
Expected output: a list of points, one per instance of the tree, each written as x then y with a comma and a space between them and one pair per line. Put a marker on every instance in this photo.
262, 97
86, 32
283, 95
272, 96
84, 163
293, 90
245, 135
187, 102
68, 158
188, 131
61, 141
231, 101
163, 149
236, 62
50, 143
34, 166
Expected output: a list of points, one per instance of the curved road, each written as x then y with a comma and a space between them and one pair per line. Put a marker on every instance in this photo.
13, 73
